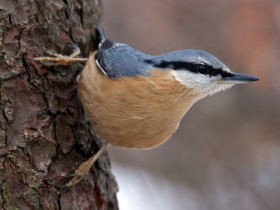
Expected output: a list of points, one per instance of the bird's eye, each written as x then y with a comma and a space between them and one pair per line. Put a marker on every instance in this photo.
203, 69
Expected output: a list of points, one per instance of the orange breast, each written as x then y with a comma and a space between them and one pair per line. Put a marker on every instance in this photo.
133, 112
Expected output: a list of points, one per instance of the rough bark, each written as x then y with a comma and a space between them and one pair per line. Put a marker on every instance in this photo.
44, 135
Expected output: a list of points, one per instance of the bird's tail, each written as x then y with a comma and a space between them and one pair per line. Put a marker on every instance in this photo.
100, 34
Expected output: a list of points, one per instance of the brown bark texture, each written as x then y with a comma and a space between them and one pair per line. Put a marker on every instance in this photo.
44, 135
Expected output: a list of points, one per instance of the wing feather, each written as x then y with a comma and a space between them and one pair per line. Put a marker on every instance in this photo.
118, 60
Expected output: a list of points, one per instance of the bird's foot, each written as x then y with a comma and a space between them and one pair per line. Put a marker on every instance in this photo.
85, 167
55, 59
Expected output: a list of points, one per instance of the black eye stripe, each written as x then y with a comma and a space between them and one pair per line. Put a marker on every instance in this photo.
176, 65
192, 67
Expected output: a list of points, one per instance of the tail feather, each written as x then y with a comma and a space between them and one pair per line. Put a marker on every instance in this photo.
100, 34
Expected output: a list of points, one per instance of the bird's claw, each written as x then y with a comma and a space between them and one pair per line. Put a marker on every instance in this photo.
56, 59
80, 173
75, 180
85, 167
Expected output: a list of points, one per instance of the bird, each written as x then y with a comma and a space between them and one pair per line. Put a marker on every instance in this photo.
136, 100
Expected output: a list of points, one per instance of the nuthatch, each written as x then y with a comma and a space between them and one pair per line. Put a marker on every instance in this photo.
135, 100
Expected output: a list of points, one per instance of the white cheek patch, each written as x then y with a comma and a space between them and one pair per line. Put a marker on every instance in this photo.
219, 87
192, 80
203, 83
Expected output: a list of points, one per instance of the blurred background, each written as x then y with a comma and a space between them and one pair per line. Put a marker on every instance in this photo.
226, 153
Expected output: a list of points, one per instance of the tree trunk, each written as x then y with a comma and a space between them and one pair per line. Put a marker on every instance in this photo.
44, 135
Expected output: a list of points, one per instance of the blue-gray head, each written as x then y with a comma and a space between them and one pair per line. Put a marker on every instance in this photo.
199, 70
195, 69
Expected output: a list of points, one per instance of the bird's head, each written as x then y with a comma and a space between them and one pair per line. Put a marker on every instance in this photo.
200, 71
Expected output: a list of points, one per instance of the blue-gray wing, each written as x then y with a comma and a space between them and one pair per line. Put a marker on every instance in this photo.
120, 60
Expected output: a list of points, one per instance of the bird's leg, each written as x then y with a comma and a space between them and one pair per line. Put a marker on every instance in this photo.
55, 59
85, 167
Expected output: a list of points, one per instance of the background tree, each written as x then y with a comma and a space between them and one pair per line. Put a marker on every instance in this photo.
43, 132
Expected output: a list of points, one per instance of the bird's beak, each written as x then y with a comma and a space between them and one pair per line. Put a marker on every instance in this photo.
239, 78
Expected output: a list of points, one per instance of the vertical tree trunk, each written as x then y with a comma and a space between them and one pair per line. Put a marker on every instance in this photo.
44, 135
